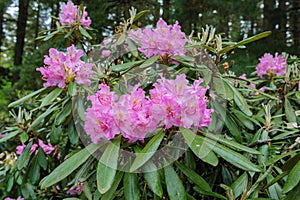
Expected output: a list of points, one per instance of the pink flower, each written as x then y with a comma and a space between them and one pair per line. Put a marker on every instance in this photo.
20, 149
269, 64
106, 53
163, 40
69, 16
78, 189
19, 198
61, 68
46, 148
243, 76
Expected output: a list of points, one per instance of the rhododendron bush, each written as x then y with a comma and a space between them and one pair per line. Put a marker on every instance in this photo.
153, 113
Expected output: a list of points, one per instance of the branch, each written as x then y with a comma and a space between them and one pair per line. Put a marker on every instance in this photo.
262, 142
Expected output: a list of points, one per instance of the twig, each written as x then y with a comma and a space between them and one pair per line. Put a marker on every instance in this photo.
262, 142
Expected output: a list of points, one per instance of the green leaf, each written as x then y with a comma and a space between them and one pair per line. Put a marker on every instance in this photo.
56, 134
153, 179
23, 99
72, 89
121, 39
140, 14
199, 147
132, 48
47, 100
24, 158
245, 41
231, 144
34, 170
10, 135
24, 137
63, 114
175, 188
72, 133
131, 186
112, 191
239, 99
42, 159
264, 149
289, 113
240, 185
87, 191
231, 156
40, 118
293, 178
125, 66
51, 35
233, 128
84, 32
68, 166
147, 152
149, 61
107, 166
194, 177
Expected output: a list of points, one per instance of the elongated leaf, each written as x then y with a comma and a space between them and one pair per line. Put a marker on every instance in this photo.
34, 170
84, 33
153, 179
240, 185
231, 144
47, 100
131, 186
231, 156
140, 14
10, 135
246, 41
68, 166
109, 194
121, 39
175, 188
107, 167
125, 66
289, 113
24, 158
72, 89
233, 128
40, 118
239, 99
149, 61
199, 147
293, 178
194, 177
147, 152
63, 114
23, 99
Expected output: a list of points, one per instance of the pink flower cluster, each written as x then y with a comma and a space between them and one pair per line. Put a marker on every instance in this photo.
69, 16
61, 68
47, 148
269, 64
163, 40
171, 103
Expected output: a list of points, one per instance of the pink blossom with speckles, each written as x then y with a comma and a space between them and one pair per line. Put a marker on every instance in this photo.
69, 15
270, 64
61, 68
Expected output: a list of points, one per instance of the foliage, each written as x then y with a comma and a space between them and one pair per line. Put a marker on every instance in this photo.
254, 155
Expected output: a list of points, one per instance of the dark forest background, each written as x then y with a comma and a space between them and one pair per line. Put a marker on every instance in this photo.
21, 21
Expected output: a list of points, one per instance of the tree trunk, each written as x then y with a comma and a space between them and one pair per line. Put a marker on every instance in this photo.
21, 30
37, 24
295, 24
269, 8
166, 10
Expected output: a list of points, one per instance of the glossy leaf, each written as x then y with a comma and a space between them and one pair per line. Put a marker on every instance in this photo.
149, 61
23, 99
240, 185
153, 179
289, 113
293, 178
175, 188
47, 100
131, 186
107, 166
147, 152
68, 166
125, 66
109, 194
25, 156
